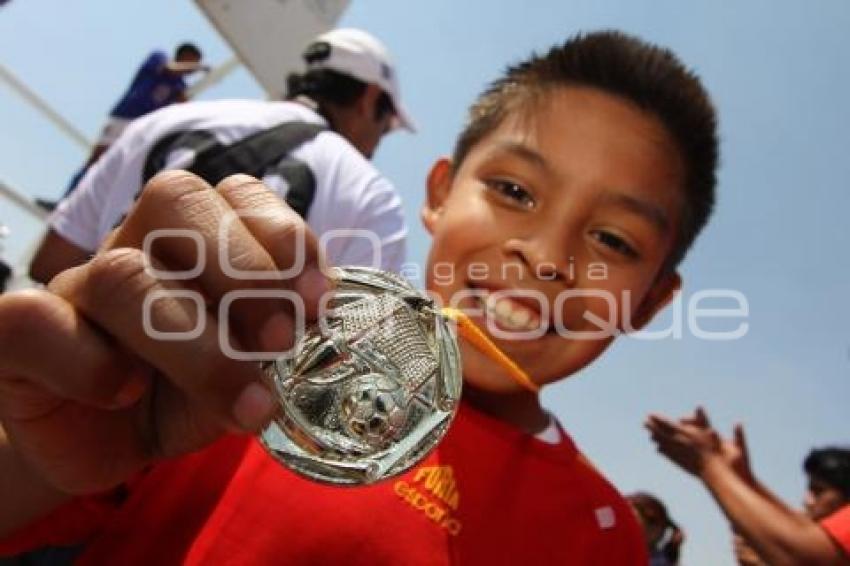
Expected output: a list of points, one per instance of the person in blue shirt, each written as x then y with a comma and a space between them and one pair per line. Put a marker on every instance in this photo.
158, 82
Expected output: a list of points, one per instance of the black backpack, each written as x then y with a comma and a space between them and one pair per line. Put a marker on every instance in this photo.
262, 153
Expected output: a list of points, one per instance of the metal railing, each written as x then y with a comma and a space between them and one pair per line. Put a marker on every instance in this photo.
19, 278
23, 202
41, 105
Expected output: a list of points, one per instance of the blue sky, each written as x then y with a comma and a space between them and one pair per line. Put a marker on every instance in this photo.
779, 76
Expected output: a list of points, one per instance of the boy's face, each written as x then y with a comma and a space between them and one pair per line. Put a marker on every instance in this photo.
822, 500
574, 203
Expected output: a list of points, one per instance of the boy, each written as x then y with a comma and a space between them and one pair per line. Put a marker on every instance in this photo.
578, 184
664, 538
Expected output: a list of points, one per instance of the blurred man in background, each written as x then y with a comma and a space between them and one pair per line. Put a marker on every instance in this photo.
313, 149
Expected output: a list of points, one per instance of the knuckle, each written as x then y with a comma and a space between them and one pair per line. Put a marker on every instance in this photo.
246, 258
237, 182
172, 188
114, 274
175, 180
264, 202
250, 194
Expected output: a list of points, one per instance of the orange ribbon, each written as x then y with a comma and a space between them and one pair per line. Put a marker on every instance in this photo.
475, 336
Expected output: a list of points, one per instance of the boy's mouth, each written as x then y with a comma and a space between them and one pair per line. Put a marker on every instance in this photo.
508, 313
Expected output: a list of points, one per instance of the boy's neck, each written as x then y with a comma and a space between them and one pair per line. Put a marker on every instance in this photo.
522, 409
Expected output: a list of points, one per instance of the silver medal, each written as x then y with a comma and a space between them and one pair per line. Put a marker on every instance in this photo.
371, 388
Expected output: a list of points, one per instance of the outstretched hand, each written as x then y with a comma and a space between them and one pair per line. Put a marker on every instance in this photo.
691, 442
89, 394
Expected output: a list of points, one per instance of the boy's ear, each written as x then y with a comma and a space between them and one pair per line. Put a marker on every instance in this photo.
659, 296
439, 185
367, 101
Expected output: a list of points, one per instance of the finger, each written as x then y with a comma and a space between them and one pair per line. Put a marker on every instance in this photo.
166, 325
741, 441
672, 441
702, 417
664, 439
81, 364
662, 425
690, 421
179, 219
281, 232
657, 430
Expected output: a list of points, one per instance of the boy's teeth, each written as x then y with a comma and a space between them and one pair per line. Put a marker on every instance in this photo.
503, 309
520, 318
510, 314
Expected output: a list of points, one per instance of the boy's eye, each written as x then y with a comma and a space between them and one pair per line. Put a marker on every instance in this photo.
615, 243
512, 191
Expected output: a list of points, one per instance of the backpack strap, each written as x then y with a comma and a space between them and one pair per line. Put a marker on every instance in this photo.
253, 154
259, 154
197, 141
301, 183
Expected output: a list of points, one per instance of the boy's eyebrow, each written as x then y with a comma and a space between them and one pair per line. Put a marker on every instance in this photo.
523, 152
651, 212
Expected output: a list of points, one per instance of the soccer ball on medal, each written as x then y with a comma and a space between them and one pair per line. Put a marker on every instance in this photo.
374, 409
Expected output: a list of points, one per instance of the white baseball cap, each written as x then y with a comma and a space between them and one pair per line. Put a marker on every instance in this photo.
360, 55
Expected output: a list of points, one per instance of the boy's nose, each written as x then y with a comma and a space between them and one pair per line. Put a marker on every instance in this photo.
549, 263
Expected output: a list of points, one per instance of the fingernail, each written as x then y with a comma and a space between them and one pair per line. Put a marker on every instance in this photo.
253, 407
276, 334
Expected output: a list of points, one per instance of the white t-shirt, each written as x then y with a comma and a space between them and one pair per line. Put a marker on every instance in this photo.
350, 194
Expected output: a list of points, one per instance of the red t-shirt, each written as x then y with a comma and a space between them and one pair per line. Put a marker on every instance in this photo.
489, 494
838, 527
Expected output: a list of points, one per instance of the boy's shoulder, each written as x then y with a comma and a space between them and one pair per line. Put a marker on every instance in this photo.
499, 471
557, 455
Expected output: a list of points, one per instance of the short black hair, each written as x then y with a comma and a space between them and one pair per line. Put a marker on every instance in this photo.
644, 74
652, 511
329, 86
187, 49
831, 465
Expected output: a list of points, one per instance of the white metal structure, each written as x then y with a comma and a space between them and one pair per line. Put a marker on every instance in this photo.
269, 35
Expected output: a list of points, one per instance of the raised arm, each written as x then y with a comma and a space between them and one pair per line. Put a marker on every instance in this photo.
55, 254
186, 67
780, 535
